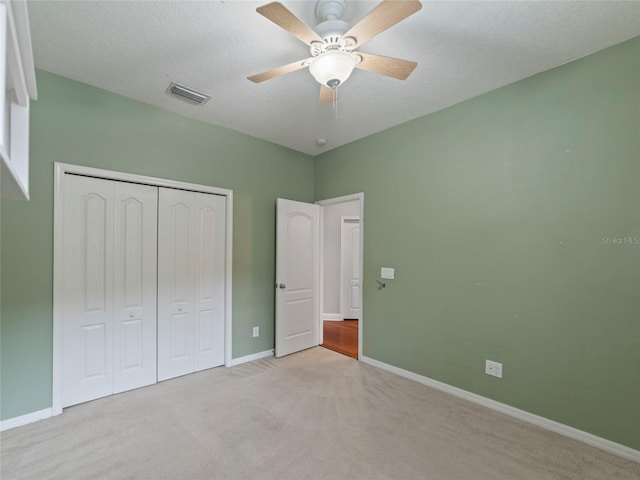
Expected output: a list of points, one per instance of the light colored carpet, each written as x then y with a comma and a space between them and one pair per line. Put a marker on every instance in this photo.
312, 415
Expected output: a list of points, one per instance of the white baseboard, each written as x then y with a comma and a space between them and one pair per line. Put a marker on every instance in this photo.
250, 358
25, 419
562, 429
332, 317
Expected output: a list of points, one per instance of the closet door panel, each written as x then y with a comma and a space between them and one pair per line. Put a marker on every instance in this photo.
210, 264
176, 282
143, 285
88, 290
135, 260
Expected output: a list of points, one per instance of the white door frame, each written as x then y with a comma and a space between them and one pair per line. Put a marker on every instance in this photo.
332, 201
60, 169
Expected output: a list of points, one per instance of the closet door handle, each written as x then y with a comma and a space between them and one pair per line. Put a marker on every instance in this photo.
282, 285
179, 308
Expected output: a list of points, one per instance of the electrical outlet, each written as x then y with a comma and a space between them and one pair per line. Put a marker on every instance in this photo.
256, 331
493, 368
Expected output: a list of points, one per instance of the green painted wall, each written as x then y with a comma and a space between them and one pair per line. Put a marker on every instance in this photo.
75, 123
493, 213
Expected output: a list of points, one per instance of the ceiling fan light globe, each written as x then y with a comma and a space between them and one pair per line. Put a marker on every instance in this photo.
332, 68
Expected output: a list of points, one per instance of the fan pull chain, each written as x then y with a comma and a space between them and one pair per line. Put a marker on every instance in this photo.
335, 101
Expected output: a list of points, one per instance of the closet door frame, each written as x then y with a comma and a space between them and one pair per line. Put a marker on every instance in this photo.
60, 170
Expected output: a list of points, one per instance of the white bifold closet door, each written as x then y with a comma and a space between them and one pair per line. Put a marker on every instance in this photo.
109, 328
191, 276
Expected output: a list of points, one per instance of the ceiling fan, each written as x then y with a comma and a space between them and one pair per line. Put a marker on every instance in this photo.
333, 42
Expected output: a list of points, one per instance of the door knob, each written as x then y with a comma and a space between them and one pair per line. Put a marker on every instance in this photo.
131, 315
282, 285
180, 308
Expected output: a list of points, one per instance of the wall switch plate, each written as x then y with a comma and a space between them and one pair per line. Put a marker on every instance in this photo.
386, 272
493, 368
256, 331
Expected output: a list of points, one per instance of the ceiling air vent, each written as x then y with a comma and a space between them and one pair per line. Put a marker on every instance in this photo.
188, 94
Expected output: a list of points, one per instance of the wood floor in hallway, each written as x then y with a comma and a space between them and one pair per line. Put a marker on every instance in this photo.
341, 337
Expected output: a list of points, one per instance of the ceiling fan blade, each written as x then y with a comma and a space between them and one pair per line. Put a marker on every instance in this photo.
389, 66
276, 72
281, 16
326, 95
385, 15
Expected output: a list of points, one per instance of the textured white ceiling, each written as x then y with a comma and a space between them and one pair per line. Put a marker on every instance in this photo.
463, 49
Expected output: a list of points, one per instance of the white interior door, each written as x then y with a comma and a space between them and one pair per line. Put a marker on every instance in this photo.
176, 282
297, 276
109, 327
191, 281
350, 268
88, 290
135, 259
210, 277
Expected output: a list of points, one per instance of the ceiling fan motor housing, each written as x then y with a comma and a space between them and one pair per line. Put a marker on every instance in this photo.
331, 26
332, 30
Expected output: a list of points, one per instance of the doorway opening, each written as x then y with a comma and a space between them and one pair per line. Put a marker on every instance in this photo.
319, 250
341, 253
